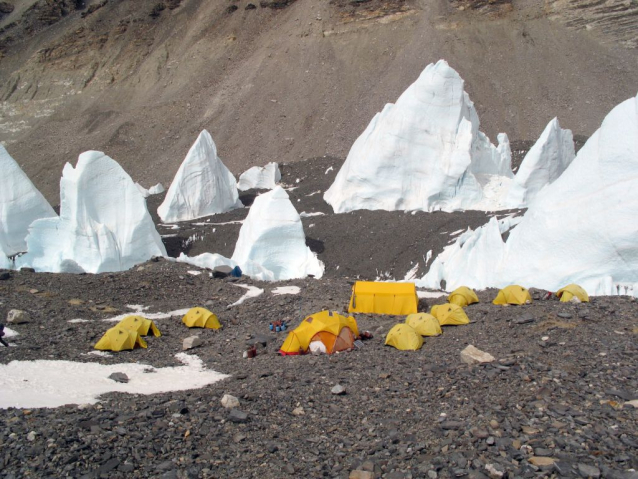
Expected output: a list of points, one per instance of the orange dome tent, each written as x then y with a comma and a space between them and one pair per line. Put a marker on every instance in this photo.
334, 331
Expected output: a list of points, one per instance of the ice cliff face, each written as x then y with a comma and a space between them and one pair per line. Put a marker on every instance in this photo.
104, 224
544, 163
422, 153
260, 177
202, 186
20, 204
582, 228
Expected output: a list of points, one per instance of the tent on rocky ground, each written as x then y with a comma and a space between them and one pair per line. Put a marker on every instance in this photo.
404, 338
449, 314
463, 296
571, 291
140, 325
424, 324
376, 297
201, 318
513, 294
325, 331
119, 339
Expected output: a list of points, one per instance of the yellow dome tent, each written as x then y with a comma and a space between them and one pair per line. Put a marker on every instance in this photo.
377, 297
449, 314
140, 325
571, 291
513, 294
424, 324
463, 296
118, 339
404, 338
201, 318
336, 332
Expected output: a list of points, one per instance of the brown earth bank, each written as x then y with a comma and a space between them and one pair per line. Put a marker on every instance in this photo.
288, 80
554, 403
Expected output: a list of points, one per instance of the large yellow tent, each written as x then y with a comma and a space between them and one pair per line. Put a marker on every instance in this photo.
201, 318
140, 325
463, 296
571, 291
118, 339
449, 314
336, 332
513, 294
424, 324
383, 298
404, 337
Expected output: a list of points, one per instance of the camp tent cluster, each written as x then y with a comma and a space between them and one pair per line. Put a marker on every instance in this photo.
127, 334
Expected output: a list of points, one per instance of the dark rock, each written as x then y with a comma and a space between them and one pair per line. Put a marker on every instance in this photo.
524, 319
5, 275
252, 6
119, 377
587, 471
452, 425
237, 416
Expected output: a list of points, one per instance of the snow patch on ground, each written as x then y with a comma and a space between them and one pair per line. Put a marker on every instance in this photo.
42, 383
194, 273
252, 292
177, 312
303, 214
430, 294
78, 320
286, 290
10, 333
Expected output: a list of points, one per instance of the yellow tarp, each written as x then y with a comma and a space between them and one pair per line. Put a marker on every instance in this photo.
201, 318
570, 291
424, 324
140, 325
404, 337
118, 339
463, 296
331, 323
513, 294
383, 298
449, 314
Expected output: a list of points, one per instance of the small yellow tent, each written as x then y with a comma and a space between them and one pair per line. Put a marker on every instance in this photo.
449, 314
140, 325
201, 318
118, 339
513, 294
463, 296
424, 324
571, 291
383, 298
336, 332
404, 337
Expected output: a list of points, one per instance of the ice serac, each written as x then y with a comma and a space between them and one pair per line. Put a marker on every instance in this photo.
20, 204
272, 239
422, 153
260, 177
544, 163
582, 229
202, 186
104, 224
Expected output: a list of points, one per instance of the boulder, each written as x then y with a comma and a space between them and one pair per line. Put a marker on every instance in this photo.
191, 342
17, 316
473, 355
230, 402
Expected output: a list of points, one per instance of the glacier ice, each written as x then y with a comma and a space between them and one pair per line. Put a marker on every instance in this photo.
104, 224
261, 177
20, 204
153, 190
422, 153
271, 244
582, 228
544, 163
202, 186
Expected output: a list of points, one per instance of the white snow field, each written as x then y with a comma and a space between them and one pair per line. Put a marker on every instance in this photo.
43, 383
423, 153
271, 244
202, 186
20, 204
544, 163
581, 229
104, 224
261, 177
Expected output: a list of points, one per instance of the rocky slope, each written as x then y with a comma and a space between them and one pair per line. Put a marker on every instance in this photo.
288, 80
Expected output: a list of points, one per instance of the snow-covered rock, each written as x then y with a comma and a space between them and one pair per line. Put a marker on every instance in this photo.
20, 204
272, 237
103, 225
544, 163
582, 229
202, 186
422, 153
260, 177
